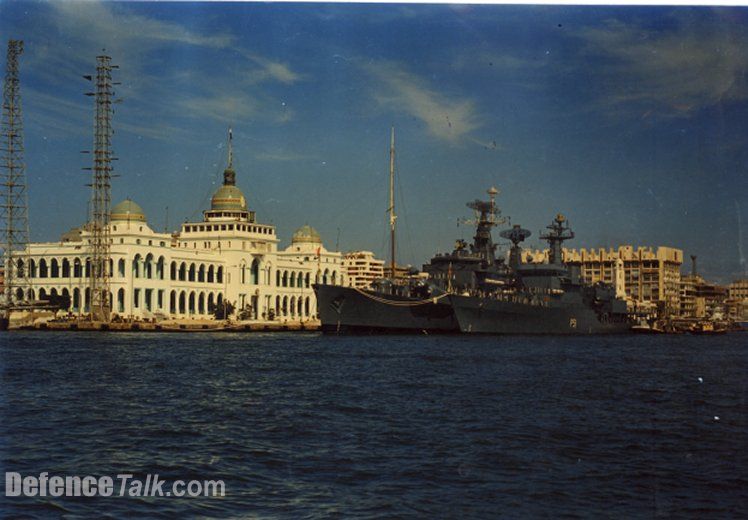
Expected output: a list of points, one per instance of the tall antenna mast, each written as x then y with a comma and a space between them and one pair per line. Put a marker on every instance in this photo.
13, 201
231, 149
391, 209
99, 247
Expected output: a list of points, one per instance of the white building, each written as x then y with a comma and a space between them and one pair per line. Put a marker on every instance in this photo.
228, 255
361, 268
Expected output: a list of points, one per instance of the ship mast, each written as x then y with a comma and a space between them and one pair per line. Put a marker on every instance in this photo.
391, 209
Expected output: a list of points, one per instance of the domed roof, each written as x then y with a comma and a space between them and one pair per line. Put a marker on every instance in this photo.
127, 210
228, 197
306, 233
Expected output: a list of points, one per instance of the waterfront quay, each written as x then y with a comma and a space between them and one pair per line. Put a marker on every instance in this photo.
170, 326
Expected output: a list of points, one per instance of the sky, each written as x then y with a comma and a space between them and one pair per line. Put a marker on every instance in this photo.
631, 121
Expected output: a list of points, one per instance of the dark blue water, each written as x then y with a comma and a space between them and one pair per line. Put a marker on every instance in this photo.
307, 426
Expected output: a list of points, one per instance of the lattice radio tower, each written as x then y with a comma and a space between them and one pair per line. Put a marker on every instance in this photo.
100, 249
13, 201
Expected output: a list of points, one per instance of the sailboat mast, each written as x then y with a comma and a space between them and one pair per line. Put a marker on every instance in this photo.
393, 217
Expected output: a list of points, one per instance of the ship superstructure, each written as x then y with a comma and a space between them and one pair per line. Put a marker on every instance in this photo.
546, 298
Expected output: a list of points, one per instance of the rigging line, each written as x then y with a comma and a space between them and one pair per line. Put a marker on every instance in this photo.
405, 213
401, 303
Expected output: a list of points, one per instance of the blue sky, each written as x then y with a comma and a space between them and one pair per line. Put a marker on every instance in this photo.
629, 120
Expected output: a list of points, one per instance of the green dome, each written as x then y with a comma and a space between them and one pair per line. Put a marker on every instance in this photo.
306, 233
127, 210
228, 197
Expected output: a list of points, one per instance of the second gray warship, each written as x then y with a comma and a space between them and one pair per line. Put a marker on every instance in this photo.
541, 298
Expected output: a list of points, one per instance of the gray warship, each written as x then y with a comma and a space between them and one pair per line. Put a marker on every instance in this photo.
545, 298
413, 305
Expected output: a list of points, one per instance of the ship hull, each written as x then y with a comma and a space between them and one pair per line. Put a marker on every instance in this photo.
345, 310
487, 316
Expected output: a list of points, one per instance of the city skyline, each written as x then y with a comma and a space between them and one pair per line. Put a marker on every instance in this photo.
627, 120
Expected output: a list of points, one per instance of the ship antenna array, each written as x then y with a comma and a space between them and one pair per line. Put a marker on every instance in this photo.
14, 199
98, 224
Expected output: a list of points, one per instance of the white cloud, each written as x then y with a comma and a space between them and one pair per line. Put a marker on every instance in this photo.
64, 37
448, 119
673, 71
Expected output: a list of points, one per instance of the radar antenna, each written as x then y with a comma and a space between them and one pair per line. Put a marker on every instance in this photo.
516, 235
559, 231
487, 215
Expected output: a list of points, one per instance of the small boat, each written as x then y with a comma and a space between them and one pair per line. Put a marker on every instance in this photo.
707, 327
644, 327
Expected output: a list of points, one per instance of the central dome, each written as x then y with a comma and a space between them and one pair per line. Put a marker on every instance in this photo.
127, 210
306, 234
228, 197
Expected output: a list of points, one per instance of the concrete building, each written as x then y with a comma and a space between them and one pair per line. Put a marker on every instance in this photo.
361, 268
737, 302
651, 277
227, 255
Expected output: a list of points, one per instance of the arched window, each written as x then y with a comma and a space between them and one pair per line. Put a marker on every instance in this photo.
173, 271
277, 278
121, 300
306, 306
307, 280
211, 274
219, 274
255, 272
54, 269
300, 280
201, 303
148, 266
242, 273
325, 277
201, 273
334, 277
43, 271
285, 279
211, 305
293, 306
19, 294
76, 298
284, 309
121, 267
191, 303
173, 302
182, 271
160, 267
136, 266
32, 268
42, 294
182, 302
65, 268
191, 275
293, 279
77, 268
